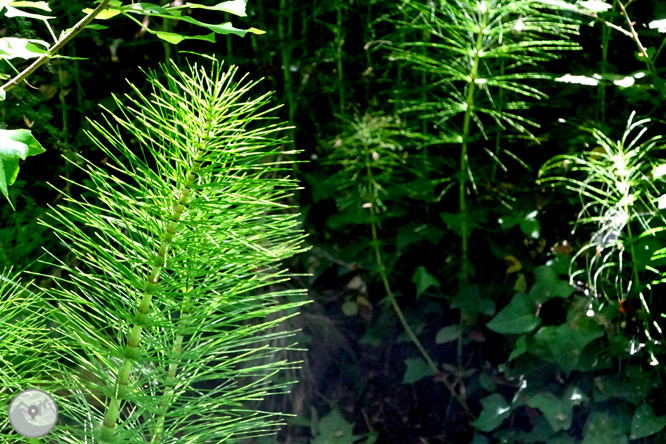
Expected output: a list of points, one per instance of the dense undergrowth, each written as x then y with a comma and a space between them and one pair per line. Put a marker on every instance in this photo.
483, 193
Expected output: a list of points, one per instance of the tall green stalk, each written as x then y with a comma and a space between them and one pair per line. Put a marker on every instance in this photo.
371, 161
470, 44
381, 269
285, 39
339, 44
168, 308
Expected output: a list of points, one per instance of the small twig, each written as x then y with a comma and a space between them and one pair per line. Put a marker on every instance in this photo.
595, 16
57, 47
641, 48
634, 35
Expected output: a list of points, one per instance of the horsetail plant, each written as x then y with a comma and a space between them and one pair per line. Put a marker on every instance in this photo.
476, 49
481, 55
371, 161
166, 324
619, 195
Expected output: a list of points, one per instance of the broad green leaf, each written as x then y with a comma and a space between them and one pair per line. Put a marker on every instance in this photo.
13, 12
412, 233
517, 317
645, 248
448, 334
548, 285
531, 228
334, 429
604, 428
495, 410
372, 437
479, 439
561, 438
97, 27
540, 433
417, 369
454, 222
224, 28
177, 38
150, 9
423, 280
236, 7
566, 342
646, 423
519, 348
469, 299
11, 47
521, 284
15, 145
487, 382
558, 412
508, 221
174, 13
44, 6
103, 15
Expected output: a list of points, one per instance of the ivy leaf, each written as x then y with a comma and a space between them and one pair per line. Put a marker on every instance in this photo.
454, 222
423, 280
548, 285
558, 412
561, 438
604, 428
519, 348
15, 145
567, 341
645, 423
417, 369
530, 226
517, 317
468, 298
495, 410
646, 248
448, 334
633, 389
334, 429
479, 439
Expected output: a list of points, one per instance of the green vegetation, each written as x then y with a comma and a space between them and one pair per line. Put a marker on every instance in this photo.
482, 188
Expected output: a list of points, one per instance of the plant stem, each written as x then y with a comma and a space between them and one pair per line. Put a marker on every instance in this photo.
57, 47
339, 42
284, 37
464, 160
658, 83
387, 287
166, 27
605, 40
132, 348
173, 367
